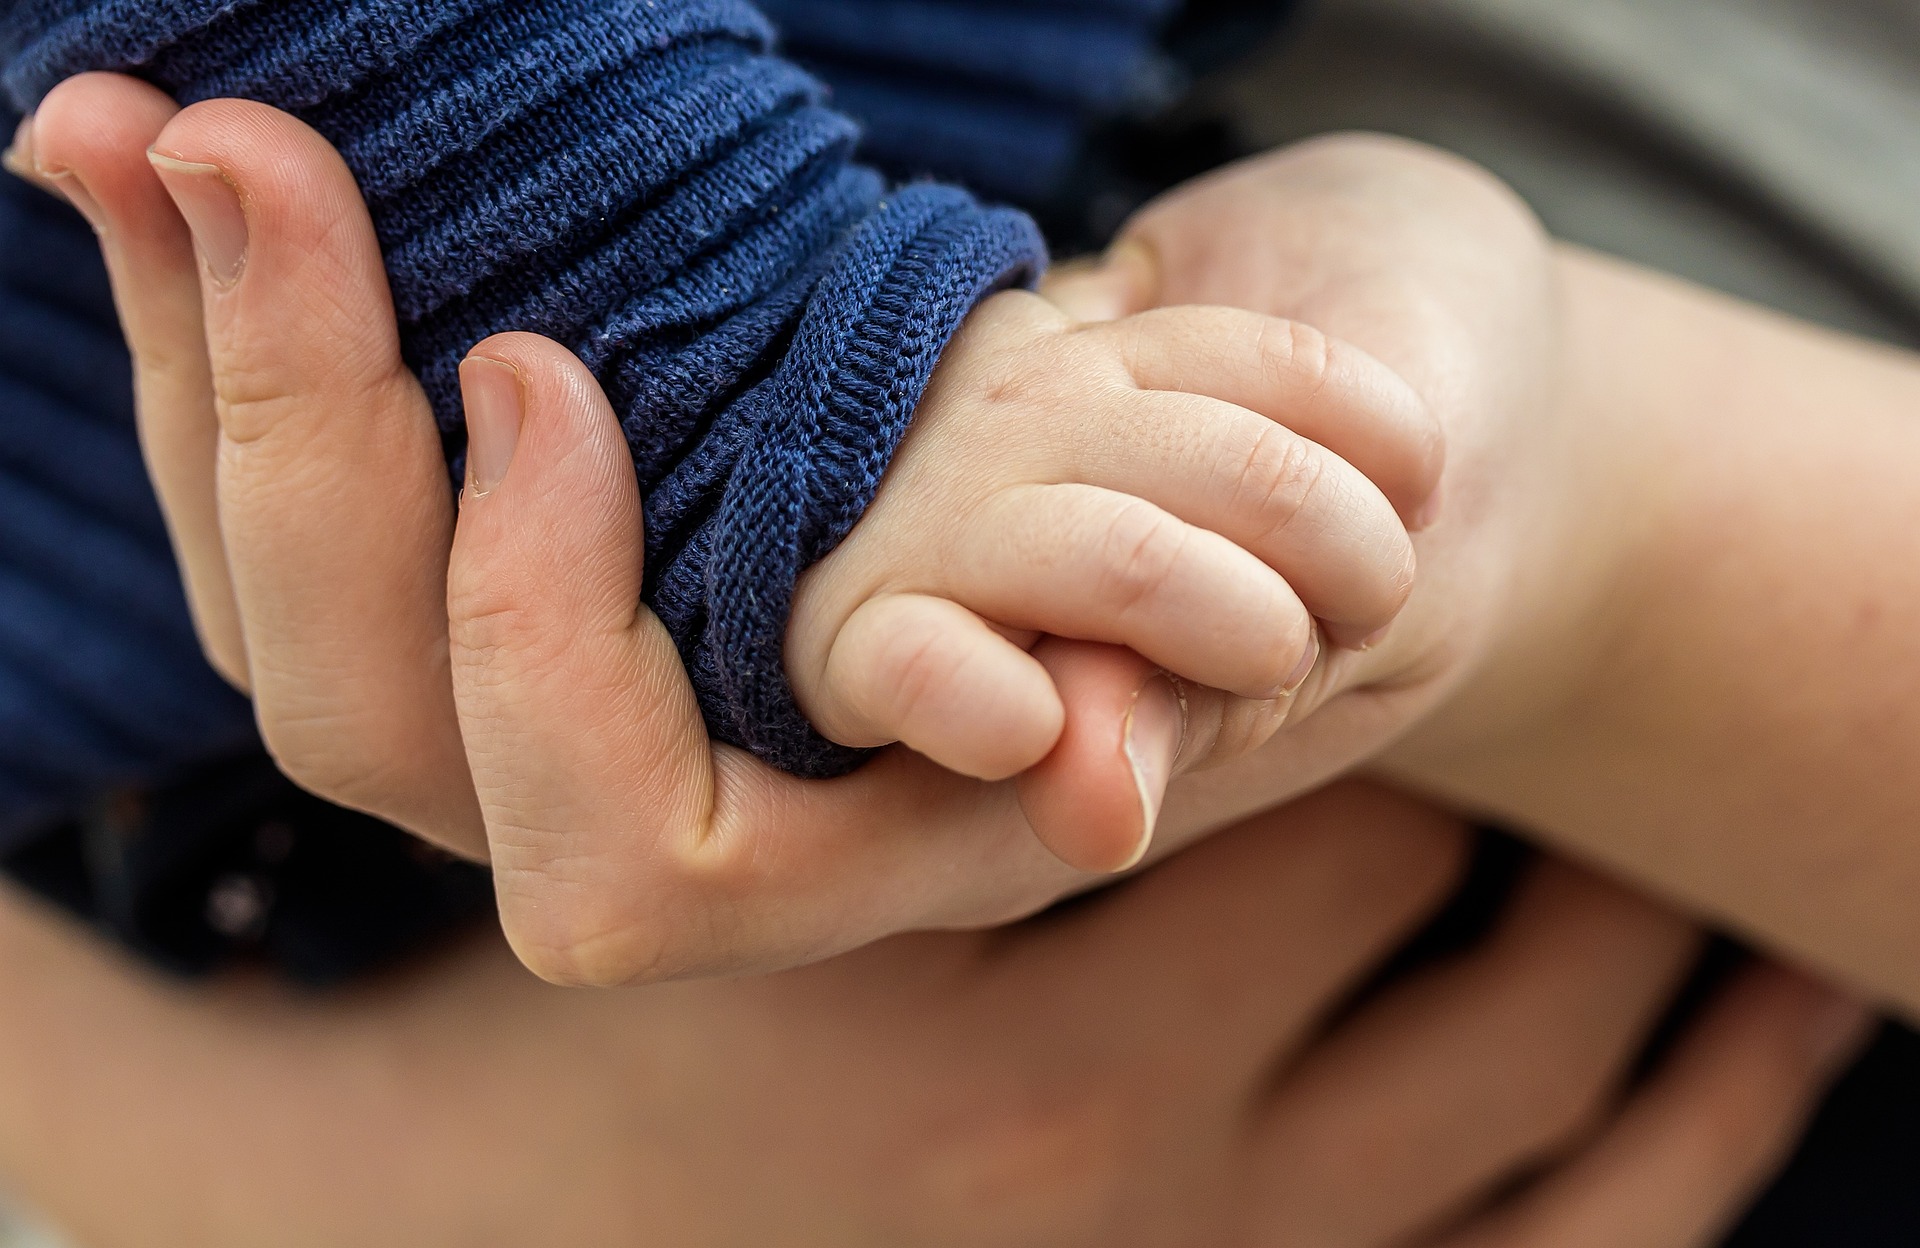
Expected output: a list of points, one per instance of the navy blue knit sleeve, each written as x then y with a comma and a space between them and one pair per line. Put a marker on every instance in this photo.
646, 182
996, 95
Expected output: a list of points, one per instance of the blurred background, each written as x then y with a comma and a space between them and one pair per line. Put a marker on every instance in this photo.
16, 1233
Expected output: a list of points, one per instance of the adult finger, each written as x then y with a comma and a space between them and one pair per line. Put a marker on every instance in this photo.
1696, 1144
334, 500
1450, 1085
1251, 938
625, 847
90, 139
1095, 799
1096, 289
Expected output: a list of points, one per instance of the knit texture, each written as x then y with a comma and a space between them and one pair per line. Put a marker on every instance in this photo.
996, 94
645, 182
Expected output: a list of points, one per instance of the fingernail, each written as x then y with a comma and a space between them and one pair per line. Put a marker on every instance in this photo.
1156, 726
23, 162
76, 193
19, 158
1306, 666
210, 202
496, 404
1131, 253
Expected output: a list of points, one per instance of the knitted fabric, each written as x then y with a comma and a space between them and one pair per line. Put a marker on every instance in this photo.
996, 94
645, 182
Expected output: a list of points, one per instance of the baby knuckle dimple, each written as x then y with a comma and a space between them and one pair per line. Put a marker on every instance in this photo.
911, 673
1277, 480
1300, 354
1141, 549
251, 403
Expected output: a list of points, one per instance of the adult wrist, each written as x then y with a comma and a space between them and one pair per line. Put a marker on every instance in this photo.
1587, 514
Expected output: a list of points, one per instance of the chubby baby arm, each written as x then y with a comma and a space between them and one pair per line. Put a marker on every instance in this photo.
1214, 489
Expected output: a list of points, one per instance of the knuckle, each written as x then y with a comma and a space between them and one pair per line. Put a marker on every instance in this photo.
256, 391
1395, 572
249, 407
913, 672
1141, 551
163, 369
1007, 351
1405, 574
573, 918
574, 950
1730, 1139
501, 627
485, 618
342, 758
1277, 480
1745, 1128
1298, 353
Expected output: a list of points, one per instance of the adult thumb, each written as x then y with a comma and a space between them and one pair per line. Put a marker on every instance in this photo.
1123, 282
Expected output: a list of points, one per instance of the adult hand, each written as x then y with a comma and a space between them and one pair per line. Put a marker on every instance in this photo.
1618, 562
1172, 1063
326, 569
302, 476
1437, 269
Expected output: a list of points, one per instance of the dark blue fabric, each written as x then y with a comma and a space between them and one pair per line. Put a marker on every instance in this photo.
644, 181
996, 94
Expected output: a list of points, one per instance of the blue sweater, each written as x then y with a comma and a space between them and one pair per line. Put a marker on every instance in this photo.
641, 179
994, 95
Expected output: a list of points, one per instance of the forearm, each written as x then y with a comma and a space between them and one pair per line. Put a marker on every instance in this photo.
1730, 718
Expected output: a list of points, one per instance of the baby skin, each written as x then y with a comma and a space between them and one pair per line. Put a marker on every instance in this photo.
1221, 492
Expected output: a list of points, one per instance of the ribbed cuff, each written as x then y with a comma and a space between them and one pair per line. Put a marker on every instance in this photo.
830, 423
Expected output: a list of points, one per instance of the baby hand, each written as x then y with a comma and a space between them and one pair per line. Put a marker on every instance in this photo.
1214, 489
